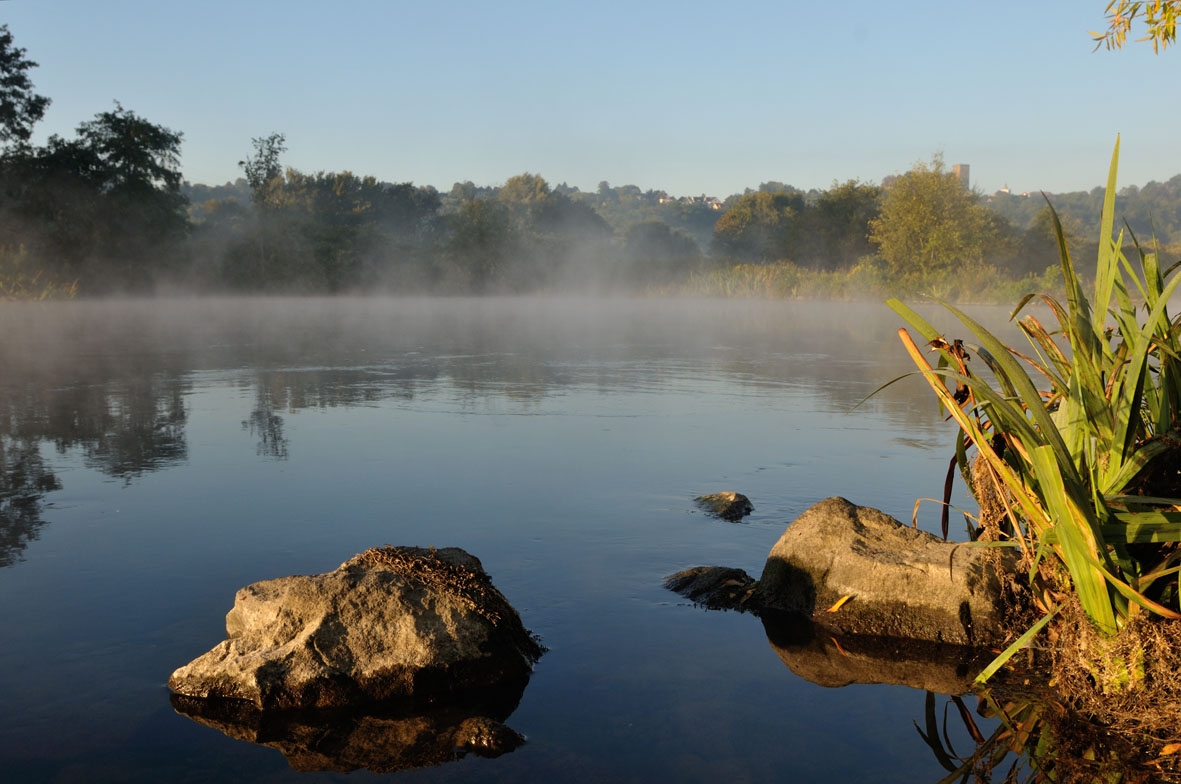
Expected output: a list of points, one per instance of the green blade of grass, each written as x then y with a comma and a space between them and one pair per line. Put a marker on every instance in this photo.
1016, 646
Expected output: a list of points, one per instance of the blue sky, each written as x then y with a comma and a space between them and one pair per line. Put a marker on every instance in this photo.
687, 97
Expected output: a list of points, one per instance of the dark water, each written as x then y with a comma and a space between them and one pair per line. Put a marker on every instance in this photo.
158, 456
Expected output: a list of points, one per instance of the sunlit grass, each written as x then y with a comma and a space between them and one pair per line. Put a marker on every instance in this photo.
864, 281
21, 279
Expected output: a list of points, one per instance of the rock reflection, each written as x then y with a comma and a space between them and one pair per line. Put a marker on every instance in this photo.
833, 661
385, 740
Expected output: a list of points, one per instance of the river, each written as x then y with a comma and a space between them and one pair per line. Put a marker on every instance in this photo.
158, 455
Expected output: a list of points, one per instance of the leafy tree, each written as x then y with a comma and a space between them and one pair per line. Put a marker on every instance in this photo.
606, 193
20, 107
842, 217
1037, 245
526, 189
655, 253
132, 154
463, 191
930, 221
263, 169
760, 226
483, 241
105, 206
570, 220
1159, 15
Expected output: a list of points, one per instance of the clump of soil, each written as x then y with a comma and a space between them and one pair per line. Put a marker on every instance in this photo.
1117, 700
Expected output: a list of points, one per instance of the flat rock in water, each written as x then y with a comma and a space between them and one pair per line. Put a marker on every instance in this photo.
728, 505
389, 623
895, 580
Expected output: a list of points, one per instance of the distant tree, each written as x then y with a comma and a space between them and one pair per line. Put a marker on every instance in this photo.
482, 242
655, 253
525, 189
1037, 245
106, 206
132, 153
264, 168
761, 226
606, 192
842, 217
930, 221
463, 191
20, 107
568, 220
1160, 16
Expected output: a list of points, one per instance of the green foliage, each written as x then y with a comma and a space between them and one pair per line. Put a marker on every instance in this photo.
929, 221
761, 226
21, 279
843, 215
1072, 460
263, 169
868, 279
525, 189
102, 207
20, 107
657, 254
1160, 16
482, 243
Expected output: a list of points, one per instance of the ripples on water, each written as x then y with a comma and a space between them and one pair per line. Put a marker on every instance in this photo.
157, 456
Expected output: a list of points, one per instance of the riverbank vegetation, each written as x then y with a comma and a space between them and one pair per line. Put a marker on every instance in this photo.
1073, 451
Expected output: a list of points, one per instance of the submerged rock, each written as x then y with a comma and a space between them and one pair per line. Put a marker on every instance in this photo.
715, 587
389, 623
728, 505
380, 741
896, 581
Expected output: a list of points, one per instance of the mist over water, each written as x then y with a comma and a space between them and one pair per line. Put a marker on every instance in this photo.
158, 455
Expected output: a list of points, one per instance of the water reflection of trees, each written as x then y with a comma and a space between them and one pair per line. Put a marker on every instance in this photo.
122, 428
267, 426
25, 478
109, 380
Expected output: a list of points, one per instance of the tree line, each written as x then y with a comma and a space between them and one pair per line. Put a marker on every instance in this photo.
107, 209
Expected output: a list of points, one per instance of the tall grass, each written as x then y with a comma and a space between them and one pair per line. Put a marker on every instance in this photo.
1068, 457
21, 279
866, 280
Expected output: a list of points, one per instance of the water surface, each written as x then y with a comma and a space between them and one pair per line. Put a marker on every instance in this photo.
157, 456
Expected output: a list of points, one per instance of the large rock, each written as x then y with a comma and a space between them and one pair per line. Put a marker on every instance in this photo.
391, 622
901, 582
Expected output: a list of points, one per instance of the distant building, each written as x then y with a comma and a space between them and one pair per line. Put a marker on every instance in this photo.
960, 170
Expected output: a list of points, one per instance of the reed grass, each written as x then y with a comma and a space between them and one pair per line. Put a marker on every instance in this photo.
866, 280
1068, 457
22, 279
